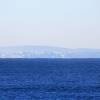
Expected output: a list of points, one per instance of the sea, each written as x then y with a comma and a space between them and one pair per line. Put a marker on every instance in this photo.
50, 79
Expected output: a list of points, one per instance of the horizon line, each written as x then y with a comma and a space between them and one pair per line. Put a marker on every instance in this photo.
10, 46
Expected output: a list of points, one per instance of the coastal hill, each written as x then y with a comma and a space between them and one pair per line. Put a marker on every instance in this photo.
47, 52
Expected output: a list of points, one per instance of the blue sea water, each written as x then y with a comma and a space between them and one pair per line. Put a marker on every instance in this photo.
49, 79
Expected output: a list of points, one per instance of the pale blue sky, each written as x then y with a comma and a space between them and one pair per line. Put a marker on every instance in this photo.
60, 23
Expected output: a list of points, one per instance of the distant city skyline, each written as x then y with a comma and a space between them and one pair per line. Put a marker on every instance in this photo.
57, 23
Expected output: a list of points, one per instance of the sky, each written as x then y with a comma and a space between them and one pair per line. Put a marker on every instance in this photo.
60, 23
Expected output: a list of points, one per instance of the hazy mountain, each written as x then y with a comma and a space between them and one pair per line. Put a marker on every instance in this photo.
47, 52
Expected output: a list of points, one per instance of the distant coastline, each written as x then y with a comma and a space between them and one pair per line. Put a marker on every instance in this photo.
47, 52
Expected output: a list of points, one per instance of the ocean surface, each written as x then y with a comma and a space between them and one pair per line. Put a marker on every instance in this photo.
49, 79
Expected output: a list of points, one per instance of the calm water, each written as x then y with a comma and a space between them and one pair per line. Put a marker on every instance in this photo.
49, 79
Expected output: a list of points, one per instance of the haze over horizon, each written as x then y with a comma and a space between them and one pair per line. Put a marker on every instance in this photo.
45, 46
57, 23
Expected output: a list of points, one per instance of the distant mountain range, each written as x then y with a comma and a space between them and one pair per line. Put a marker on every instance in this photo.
47, 52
